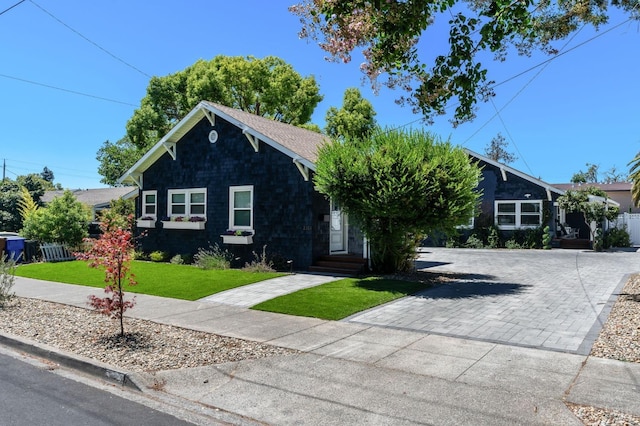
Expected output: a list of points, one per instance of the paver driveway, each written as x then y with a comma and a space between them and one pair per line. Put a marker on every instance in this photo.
550, 299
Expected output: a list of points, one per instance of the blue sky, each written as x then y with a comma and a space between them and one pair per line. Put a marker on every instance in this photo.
582, 107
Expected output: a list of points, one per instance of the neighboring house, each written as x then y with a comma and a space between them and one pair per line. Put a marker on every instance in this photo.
619, 192
221, 172
97, 199
512, 200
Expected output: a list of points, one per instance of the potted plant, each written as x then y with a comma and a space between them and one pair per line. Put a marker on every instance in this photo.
237, 236
184, 222
146, 222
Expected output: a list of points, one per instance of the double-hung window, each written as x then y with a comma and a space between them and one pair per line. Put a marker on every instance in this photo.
241, 207
187, 202
514, 214
149, 204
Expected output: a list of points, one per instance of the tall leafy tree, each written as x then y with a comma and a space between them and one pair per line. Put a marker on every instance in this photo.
398, 186
47, 175
497, 150
355, 119
388, 32
115, 159
588, 176
10, 219
614, 175
35, 184
11, 193
268, 87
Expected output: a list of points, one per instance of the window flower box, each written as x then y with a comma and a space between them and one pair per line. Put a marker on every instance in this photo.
181, 222
237, 237
146, 222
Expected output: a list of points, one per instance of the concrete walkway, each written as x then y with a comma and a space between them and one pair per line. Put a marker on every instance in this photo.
252, 294
359, 373
555, 300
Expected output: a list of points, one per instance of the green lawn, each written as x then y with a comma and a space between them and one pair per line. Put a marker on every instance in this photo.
158, 279
339, 299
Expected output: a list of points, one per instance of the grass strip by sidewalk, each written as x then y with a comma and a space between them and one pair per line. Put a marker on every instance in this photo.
339, 299
158, 279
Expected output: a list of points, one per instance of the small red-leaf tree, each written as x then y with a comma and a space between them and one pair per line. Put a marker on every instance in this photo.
112, 251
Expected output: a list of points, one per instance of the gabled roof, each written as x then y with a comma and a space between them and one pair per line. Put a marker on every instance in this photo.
506, 169
99, 197
298, 143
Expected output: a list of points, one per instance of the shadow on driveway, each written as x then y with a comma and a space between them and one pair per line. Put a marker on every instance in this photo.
472, 289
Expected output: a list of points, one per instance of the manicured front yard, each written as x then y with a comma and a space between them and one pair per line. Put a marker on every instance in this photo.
158, 279
340, 299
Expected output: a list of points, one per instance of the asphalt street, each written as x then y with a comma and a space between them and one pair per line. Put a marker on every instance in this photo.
36, 396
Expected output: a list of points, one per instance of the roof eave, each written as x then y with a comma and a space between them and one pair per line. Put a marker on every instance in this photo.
515, 172
158, 150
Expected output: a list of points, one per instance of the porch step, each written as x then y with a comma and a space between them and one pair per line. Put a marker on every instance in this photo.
339, 264
575, 243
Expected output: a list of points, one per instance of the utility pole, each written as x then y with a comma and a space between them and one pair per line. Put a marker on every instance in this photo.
4, 168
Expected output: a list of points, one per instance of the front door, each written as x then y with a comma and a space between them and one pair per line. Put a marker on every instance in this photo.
338, 230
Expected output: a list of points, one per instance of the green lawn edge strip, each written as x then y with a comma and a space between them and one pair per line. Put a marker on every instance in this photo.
185, 282
339, 299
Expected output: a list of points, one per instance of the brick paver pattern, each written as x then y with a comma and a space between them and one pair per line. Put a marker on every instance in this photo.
537, 298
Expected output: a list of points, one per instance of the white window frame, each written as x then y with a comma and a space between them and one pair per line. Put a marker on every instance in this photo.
518, 213
561, 214
470, 224
187, 202
232, 208
145, 204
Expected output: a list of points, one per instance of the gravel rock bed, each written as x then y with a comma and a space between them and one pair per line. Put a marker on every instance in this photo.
620, 336
619, 339
148, 346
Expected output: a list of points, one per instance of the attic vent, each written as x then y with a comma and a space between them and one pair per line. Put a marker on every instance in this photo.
213, 136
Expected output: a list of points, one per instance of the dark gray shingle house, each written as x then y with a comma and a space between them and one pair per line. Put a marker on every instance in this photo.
223, 171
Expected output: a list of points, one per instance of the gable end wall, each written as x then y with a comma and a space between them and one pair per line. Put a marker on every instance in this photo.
284, 204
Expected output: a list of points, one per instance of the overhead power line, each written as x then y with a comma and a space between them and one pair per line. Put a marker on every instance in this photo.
79, 34
563, 53
75, 92
543, 63
11, 7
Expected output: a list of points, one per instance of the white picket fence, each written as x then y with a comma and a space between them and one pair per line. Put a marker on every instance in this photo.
631, 222
54, 252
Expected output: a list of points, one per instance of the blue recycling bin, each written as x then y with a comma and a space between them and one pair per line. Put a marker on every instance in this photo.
14, 247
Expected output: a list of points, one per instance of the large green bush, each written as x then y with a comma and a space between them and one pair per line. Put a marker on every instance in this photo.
64, 220
617, 237
399, 186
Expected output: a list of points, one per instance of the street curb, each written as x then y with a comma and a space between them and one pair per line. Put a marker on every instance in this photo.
67, 359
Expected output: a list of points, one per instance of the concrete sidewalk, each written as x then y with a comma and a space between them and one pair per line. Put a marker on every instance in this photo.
252, 294
351, 373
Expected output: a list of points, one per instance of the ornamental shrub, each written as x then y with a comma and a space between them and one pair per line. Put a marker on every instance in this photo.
213, 258
158, 256
113, 253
